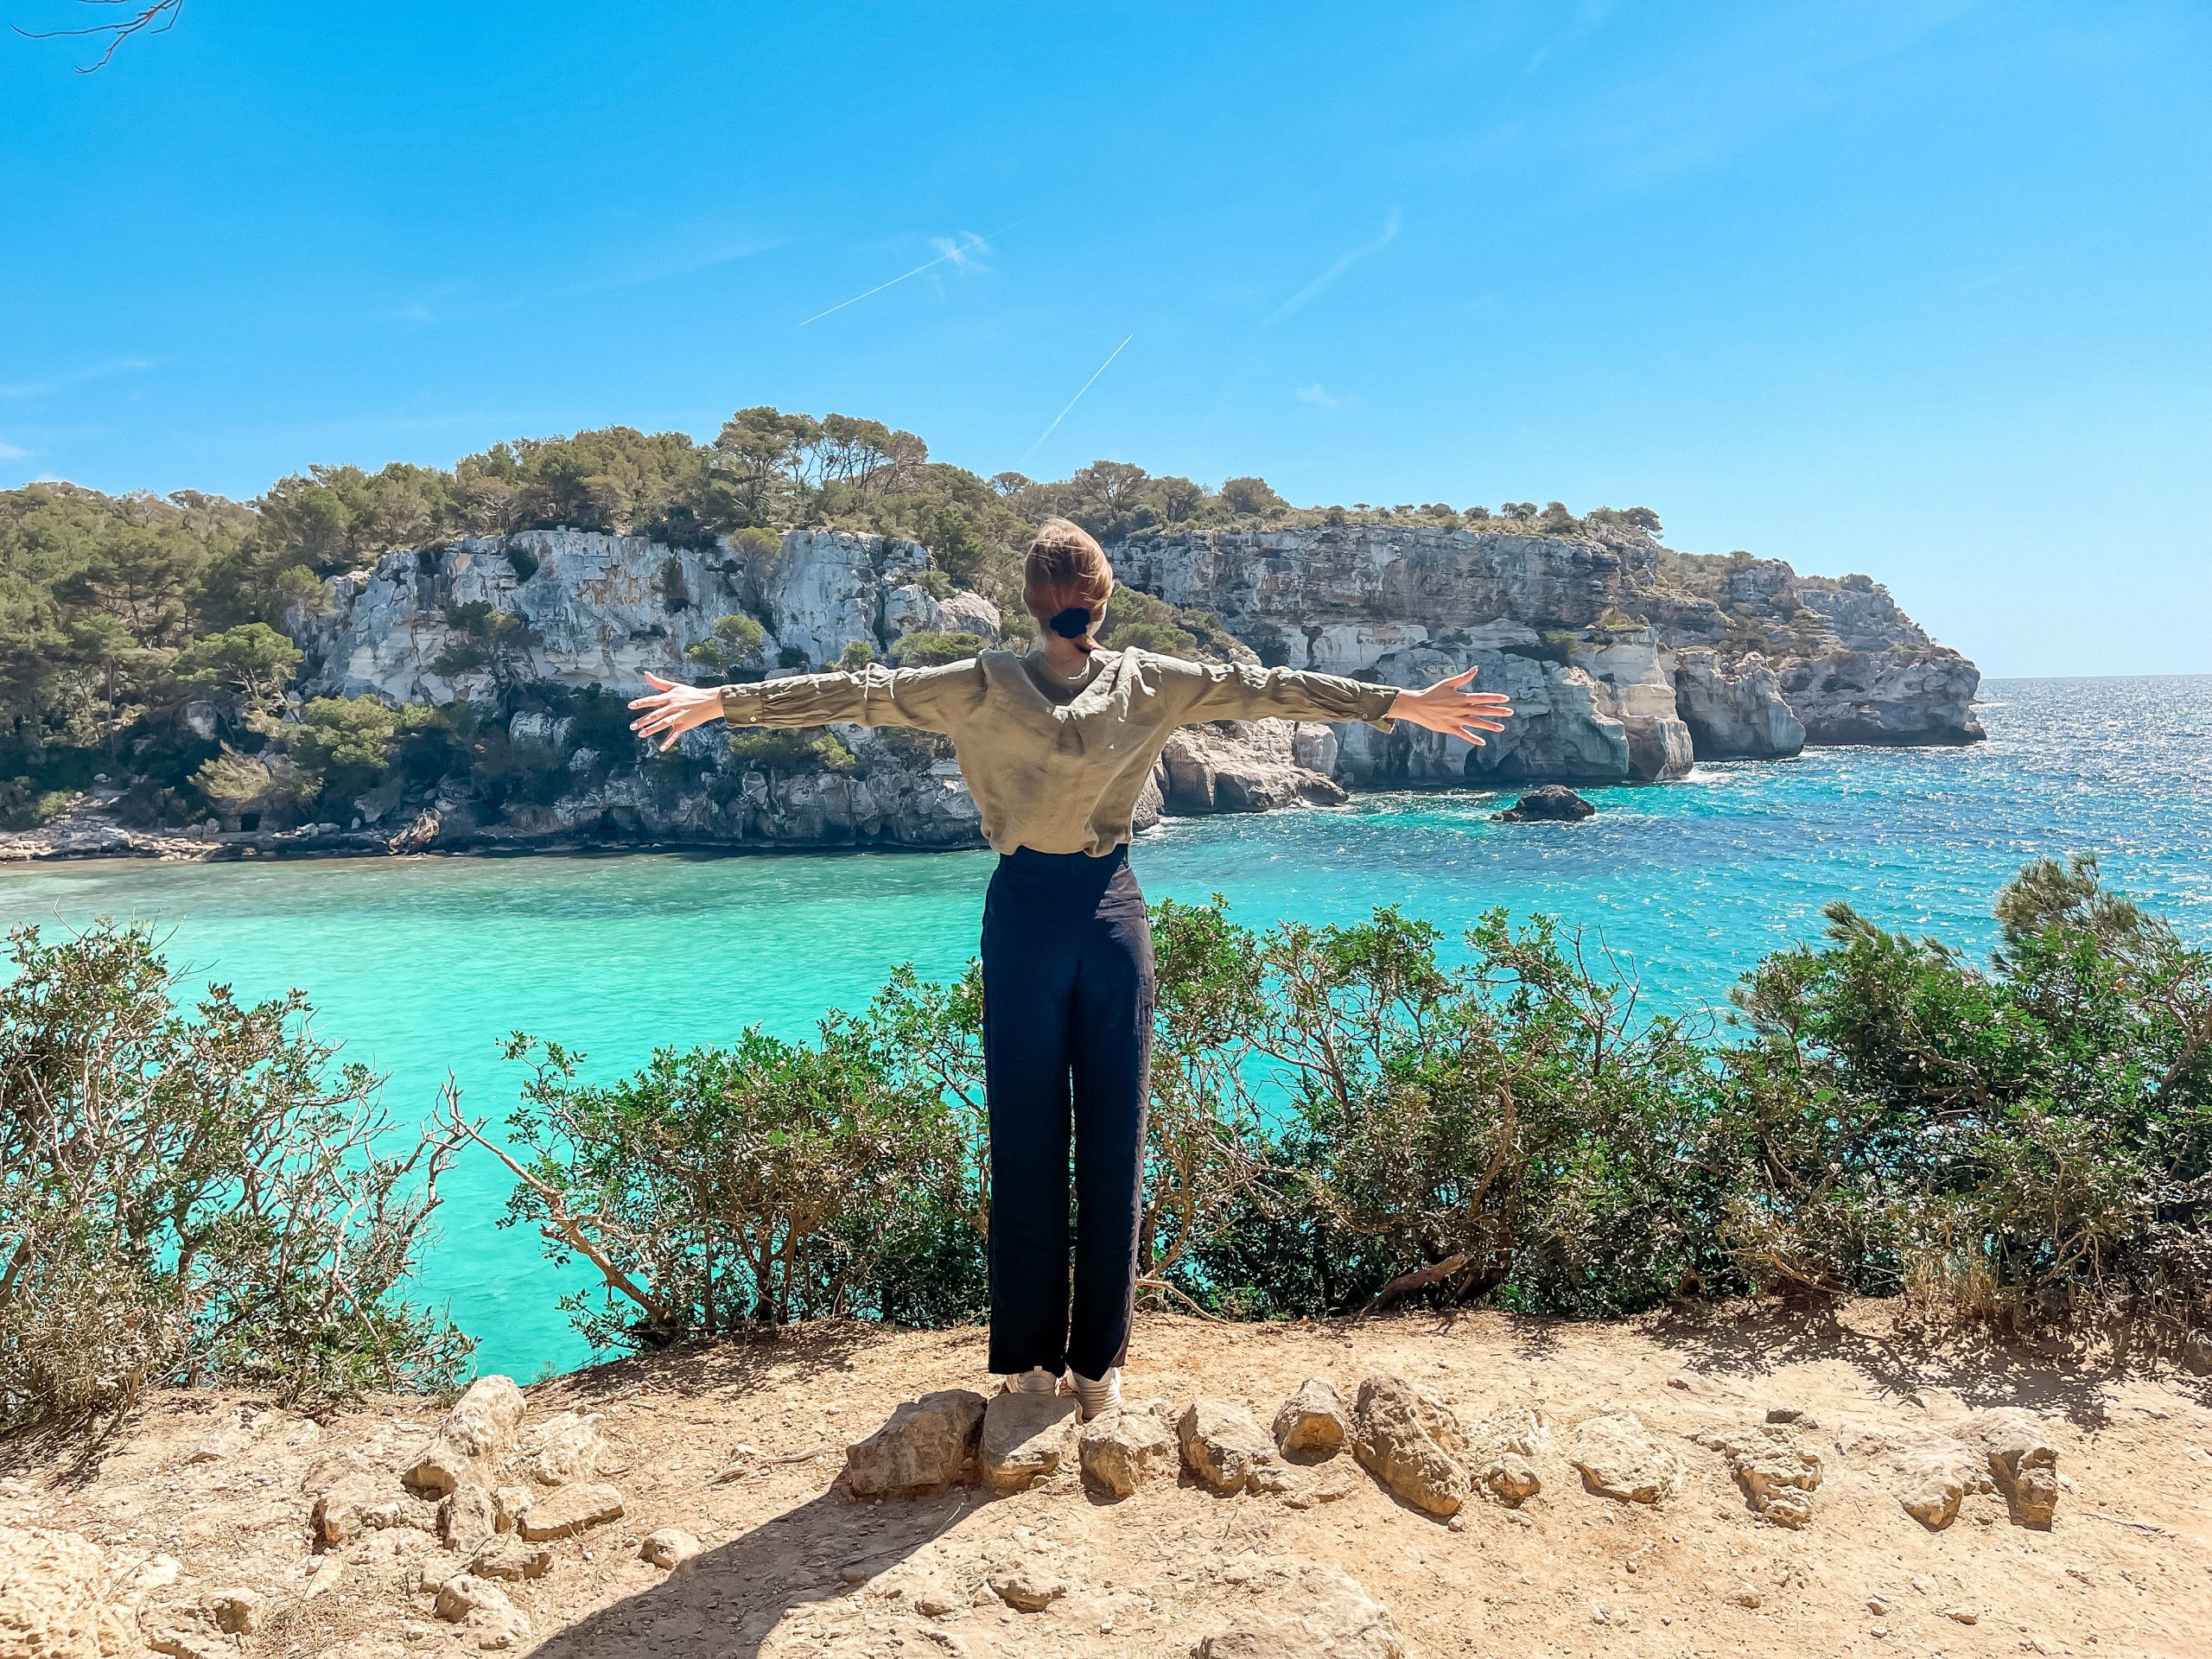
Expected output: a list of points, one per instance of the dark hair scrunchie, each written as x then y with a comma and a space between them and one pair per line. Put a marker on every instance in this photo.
1073, 623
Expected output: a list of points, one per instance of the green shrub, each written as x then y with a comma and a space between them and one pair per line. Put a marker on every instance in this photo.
195, 1197
767, 1182
924, 648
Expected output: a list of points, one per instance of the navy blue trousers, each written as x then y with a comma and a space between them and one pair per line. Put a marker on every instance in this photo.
1067, 1046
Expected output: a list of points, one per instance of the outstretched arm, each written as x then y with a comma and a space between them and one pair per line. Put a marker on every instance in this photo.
931, 699
1236, 691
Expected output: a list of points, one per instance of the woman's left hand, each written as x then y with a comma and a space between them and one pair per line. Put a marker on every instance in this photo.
674, 708
1446, 708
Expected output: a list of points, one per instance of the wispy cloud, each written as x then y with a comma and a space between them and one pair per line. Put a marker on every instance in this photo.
1344, 262
62, 382
960, 253
1318, 394
9, 452
1078, 398
459, 300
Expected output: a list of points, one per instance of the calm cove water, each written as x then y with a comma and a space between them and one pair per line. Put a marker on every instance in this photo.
420, 965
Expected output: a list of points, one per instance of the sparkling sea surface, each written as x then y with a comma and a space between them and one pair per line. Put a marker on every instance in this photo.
420, 965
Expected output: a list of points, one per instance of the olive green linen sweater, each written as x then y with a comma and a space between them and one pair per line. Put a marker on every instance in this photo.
1058, 778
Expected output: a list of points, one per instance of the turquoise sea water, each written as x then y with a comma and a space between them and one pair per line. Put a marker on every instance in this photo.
422, 965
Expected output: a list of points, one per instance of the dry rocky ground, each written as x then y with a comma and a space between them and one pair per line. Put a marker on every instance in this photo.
1730, 1484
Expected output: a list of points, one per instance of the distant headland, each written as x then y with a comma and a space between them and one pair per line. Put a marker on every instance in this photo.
420, 658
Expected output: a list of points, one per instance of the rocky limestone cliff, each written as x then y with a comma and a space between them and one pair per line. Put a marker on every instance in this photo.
1625, 662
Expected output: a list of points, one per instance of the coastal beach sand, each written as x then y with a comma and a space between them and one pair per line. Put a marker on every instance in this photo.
199, 1495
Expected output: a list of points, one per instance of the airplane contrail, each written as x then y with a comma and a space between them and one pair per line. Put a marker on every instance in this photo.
1078, 398
969, 247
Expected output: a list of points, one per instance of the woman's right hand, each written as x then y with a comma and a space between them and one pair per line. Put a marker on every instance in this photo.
674, 709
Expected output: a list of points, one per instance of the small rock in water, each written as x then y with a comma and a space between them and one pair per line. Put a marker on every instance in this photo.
1550, 803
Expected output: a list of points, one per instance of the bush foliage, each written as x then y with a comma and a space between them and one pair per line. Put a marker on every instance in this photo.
1350, 1117
195, 1195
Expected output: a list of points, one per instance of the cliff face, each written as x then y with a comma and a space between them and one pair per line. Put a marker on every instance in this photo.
1624, 662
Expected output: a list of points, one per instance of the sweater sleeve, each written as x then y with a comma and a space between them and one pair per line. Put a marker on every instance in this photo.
1239, 692
929, 699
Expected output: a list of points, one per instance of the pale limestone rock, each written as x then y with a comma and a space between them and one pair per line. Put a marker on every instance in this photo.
467, 1516
53, 1600
1499, 1447
1240, 766
1619, 1457
1778, 1474
482, 1609
1222, 1445
2023, 1462
1027, 1588
926, 1443
668, 1547
1412, 1443
508, 1503
1314, 1422
1734, 714
1025, 1437
565, 1449
356, 1504
473, 1441
505, 1556
1323, 1614
567, 1510
1124, 1451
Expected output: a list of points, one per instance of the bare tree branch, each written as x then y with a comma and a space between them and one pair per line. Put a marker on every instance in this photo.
157, 16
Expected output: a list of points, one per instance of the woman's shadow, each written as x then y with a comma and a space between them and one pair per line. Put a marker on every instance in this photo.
722, 1603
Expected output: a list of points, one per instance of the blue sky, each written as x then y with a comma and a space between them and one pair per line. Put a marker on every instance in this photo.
1922, 290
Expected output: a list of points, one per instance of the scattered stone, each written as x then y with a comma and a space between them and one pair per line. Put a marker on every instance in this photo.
669, 1547
1024, 1437
475, 1438
1411, 1442
329, 1572
236, 1611
182, 1630
482, 1609
1619, 1457
1222, 1445
52, 1604
1778, 1475
569, 1448
924, 1445
568, 1511
1313, 1423
154, 1573
1499, 1447
1937, 1474
1745, 1596
356, 1504
1027, 1589
1324, 1614
1962, 1615
2022, 1463
1786, 1414
1877, 1606
331, 1468
507, 1504
1122, 1452
467, 1516
932, 1601
506, 1556
1549, 803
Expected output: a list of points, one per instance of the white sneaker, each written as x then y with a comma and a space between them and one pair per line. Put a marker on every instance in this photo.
1035, 1379
1094, 1397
